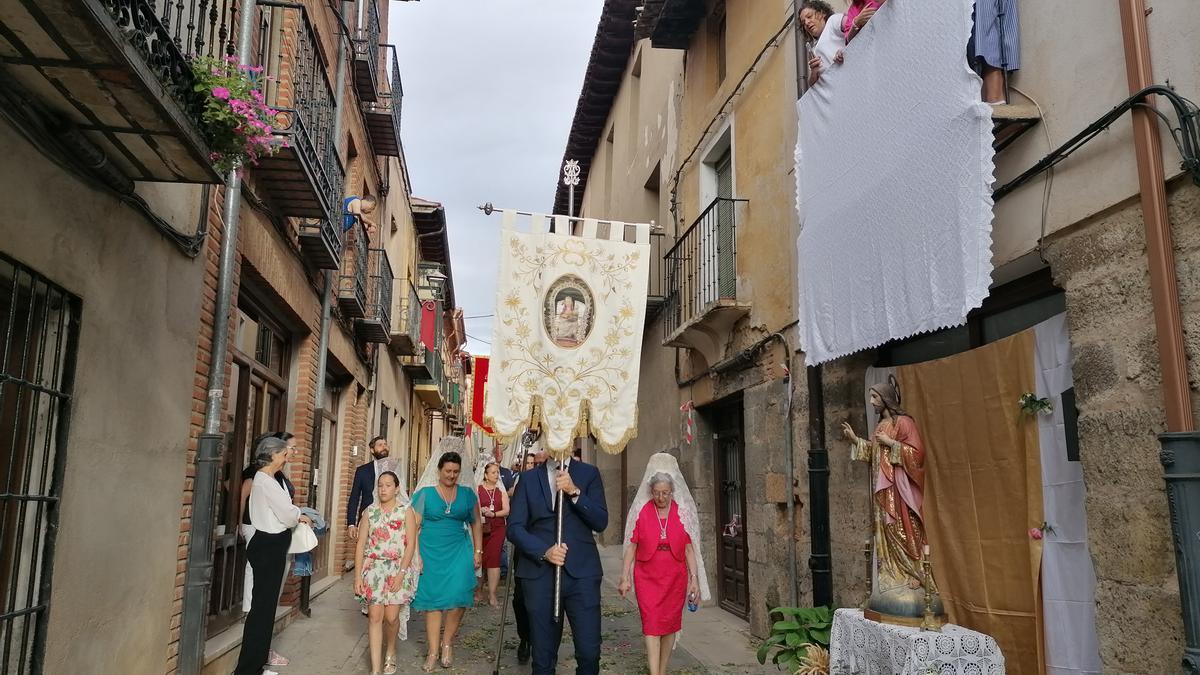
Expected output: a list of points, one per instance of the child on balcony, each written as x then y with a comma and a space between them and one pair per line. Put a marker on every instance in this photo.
857, 16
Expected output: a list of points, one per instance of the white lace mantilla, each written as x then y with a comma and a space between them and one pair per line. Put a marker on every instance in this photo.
860, 646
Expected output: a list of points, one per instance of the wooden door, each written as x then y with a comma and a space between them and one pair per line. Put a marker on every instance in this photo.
733, 579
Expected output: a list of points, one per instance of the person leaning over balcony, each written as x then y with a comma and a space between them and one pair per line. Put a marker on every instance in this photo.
826, 39
995, 46
354, 208
857, 16
273, 516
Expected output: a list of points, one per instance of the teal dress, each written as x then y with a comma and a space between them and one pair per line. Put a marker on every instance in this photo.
447, 554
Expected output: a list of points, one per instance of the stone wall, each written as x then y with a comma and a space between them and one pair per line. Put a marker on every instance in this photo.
1102, 266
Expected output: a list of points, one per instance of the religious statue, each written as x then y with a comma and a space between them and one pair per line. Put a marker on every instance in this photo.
569, 322
896, 456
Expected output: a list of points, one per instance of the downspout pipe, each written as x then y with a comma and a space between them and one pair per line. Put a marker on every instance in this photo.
199, 571
1180, 454
339, 124
820, 556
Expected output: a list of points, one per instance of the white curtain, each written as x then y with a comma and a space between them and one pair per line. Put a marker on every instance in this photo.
1068, 578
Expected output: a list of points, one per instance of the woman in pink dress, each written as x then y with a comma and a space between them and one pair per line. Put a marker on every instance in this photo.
662, 560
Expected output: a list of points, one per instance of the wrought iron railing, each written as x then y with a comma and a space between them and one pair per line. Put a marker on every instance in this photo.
391, 94
168, 33
352, 283
299, 89
408, 316
366, 41
380, 280
701, 268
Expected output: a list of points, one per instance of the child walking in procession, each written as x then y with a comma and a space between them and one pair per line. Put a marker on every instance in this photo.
382, 583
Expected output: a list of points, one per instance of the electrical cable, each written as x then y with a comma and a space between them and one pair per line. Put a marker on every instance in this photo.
70, 150
1186, 136
1049, 185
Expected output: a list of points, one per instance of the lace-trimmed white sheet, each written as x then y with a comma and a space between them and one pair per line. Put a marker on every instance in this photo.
861, 647
894, 173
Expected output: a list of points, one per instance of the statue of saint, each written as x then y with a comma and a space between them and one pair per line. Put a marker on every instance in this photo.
896, 456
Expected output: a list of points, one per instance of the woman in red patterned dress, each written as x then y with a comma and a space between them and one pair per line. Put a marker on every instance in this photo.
493, 504
662, 559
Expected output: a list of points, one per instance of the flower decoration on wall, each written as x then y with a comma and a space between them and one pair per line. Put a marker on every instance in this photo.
237, 122
1031, 404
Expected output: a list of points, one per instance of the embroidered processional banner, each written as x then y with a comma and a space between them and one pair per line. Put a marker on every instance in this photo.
568, 331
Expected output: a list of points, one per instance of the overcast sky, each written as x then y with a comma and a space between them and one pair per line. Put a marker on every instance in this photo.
490, 88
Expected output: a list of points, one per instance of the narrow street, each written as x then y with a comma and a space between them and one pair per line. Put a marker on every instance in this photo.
334, 639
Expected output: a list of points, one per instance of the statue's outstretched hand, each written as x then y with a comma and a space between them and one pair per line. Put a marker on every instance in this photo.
848, 432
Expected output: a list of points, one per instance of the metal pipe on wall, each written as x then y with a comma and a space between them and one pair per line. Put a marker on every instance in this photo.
1181, 445
1160, 252
820, 557
198, 574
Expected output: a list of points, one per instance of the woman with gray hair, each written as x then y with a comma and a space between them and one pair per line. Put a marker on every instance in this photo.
662, 557
273, 516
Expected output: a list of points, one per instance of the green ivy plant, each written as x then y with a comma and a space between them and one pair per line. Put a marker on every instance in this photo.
237, 121
794, 634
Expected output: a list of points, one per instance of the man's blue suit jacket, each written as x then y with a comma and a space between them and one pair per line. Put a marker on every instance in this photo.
532, 522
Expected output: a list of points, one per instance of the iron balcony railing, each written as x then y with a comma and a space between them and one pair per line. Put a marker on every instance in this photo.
352, 283
701, 268
298, 87
376, 325
366, 55
406, 330
383, 114
168, 33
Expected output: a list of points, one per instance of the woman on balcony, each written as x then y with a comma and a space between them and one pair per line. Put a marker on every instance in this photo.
826, 39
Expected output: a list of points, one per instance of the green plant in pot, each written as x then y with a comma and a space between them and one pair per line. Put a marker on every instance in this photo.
237, 122
799, 639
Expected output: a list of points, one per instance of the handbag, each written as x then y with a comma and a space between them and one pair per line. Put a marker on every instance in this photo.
303, 539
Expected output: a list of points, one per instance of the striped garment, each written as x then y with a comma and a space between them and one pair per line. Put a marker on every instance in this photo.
996, 40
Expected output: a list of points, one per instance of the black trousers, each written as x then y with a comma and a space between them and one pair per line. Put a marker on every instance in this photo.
267, 555
519, 610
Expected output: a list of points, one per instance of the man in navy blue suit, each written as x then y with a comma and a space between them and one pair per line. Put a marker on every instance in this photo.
362, 492
532, 525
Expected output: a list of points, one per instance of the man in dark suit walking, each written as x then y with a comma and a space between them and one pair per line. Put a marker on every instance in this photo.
362, 492
532, 526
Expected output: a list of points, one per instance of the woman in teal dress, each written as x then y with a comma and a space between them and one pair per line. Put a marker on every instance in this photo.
450, 553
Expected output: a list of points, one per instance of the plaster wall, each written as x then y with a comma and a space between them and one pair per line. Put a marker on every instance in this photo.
131, 405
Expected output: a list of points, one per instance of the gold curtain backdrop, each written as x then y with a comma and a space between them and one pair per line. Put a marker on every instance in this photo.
983, 491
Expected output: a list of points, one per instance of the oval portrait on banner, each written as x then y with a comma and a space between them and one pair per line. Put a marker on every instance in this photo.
567, 311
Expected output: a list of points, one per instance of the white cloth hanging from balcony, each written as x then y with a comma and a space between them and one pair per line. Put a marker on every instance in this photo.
566, 347
894, 173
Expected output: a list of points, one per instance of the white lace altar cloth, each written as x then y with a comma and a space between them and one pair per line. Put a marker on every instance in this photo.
860, 646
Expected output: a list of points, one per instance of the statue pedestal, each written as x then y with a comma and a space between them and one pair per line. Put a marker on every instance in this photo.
903, 606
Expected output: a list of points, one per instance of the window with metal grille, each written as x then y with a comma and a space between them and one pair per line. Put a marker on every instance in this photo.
40, 324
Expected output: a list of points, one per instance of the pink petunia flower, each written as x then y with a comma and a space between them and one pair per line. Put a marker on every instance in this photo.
1036, 533
221, 93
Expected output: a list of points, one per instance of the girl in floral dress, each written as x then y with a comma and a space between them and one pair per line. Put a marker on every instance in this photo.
382, 583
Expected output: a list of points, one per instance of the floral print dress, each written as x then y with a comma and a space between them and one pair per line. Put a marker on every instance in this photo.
386, 541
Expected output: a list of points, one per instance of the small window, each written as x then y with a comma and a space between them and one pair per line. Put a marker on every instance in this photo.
385, 415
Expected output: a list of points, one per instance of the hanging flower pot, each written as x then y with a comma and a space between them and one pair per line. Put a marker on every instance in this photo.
237, 122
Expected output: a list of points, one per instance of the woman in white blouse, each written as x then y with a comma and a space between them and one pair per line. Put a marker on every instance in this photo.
273, 516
